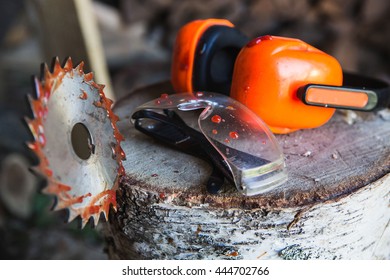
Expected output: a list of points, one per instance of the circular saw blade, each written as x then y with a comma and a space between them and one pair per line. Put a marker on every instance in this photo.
77, 141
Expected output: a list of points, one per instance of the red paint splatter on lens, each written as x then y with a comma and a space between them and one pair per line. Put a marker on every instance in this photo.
216, 119
164, 96
233, 135
214, 131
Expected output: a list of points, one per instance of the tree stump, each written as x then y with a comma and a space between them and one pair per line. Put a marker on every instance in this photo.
335, 204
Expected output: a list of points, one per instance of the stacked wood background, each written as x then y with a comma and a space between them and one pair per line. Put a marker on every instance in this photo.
356, 32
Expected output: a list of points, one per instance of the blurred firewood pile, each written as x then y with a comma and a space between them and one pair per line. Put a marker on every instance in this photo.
356, 32
138, 37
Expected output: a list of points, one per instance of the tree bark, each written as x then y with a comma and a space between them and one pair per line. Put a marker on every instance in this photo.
335, 204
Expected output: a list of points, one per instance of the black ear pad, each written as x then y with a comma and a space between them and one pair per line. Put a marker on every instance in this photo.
214, 58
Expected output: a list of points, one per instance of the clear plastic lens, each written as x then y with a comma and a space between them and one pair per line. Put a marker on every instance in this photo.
242, 139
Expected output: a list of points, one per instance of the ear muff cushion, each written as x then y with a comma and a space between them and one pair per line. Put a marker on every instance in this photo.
184, 51
214, 58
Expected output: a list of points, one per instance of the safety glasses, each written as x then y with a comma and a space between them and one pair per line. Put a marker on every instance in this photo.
237, 143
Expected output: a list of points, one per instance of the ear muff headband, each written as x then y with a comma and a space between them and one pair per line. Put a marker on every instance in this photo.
358, 93
184, 51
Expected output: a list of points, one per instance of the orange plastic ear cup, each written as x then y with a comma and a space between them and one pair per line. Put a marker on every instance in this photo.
184, 52
267, 74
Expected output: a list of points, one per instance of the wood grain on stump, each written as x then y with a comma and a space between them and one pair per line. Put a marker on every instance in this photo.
335, 204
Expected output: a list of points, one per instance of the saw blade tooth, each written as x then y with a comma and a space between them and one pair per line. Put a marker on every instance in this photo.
96, 219
80, 68
57, 65
31, 100
34, 132
84, 222
50, 187
38, 108
119, 137
49, 190
47, 75
36, 170
68, 66
114, 118
37, 88
105, 210
48, 172
88, 77
113, 207
105, 215
71, 215
109, 105
100, 87
60, 204
31, 145
122, 153
56, 69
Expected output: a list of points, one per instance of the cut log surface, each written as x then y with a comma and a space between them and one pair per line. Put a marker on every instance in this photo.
335, 204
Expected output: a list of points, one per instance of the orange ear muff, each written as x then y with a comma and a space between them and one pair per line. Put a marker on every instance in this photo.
268, 74
288, 83
204, 56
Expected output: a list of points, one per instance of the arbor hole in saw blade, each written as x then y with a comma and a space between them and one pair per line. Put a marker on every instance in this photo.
82, 141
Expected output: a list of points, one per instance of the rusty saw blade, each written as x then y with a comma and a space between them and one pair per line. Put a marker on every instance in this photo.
76, 140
